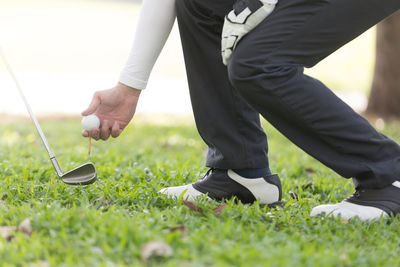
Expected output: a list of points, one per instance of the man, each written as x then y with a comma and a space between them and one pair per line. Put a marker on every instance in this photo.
265, 46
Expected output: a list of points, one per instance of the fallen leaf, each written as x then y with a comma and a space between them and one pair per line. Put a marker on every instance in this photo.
192, 206
310, 171
181, 228
7, 232
25, 226
218, 210
155, 248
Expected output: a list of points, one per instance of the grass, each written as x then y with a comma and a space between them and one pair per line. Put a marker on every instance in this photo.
107, 223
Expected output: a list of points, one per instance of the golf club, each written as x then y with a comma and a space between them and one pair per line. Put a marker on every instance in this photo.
85, 174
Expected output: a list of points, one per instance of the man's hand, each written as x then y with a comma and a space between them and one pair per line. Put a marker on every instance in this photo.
115, 108
244, 17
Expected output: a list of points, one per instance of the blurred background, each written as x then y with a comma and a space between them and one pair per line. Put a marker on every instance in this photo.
62, 51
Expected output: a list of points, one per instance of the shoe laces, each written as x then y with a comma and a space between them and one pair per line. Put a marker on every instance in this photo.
210, 171
357, 193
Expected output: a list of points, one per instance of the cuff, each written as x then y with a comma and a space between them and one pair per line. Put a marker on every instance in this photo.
130, 81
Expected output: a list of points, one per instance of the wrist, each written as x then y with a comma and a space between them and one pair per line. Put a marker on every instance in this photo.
128, 90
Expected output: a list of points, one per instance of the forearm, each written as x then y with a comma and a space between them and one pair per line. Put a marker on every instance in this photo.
128, 90
154, 26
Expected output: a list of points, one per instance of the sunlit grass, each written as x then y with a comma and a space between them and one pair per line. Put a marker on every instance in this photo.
107, 223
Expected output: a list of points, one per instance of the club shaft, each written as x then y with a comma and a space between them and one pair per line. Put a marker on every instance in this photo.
33, 117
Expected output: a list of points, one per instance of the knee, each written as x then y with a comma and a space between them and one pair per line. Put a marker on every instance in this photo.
244, 72
249, 74
240, 70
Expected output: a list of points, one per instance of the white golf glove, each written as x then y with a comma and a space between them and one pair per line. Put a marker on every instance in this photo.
245, 16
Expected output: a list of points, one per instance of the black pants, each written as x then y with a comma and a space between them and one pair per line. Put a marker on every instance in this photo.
265, 75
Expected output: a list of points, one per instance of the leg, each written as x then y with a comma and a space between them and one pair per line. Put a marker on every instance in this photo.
267, 69
228, 125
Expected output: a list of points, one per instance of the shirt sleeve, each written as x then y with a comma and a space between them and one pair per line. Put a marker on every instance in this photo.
154, 26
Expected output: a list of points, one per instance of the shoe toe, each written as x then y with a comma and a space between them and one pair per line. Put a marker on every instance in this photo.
333, 211
188, 192
323, 209
347, 210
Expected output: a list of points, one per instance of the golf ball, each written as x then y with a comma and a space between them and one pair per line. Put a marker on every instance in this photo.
89, 122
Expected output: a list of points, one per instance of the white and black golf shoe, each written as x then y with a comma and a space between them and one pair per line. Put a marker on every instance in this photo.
220, 184
366, 204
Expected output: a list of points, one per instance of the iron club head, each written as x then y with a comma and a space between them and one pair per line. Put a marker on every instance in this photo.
83, 175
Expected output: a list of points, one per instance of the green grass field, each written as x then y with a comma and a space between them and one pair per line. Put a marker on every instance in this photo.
108, 223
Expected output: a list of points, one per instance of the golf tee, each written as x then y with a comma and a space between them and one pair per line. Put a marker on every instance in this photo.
90, 142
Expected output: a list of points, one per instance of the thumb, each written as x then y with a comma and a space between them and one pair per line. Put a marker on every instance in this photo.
93, 105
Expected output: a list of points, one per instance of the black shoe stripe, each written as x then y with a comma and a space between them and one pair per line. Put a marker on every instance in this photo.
230, 189
386, 199
218, 185
274, 179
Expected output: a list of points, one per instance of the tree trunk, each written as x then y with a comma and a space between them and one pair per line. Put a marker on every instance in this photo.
384, 100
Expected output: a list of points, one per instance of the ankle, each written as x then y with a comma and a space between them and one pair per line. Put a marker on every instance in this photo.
253, 172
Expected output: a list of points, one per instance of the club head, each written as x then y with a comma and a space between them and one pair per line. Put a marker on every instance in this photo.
85, 174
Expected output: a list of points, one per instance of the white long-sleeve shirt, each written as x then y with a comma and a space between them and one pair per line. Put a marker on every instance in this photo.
154, 26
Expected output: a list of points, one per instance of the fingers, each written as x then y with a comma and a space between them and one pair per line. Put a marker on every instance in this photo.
105, 130
95, 133
93, 105
85, 133
115, 131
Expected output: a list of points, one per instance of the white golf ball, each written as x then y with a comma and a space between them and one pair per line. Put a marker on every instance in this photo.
89, 122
